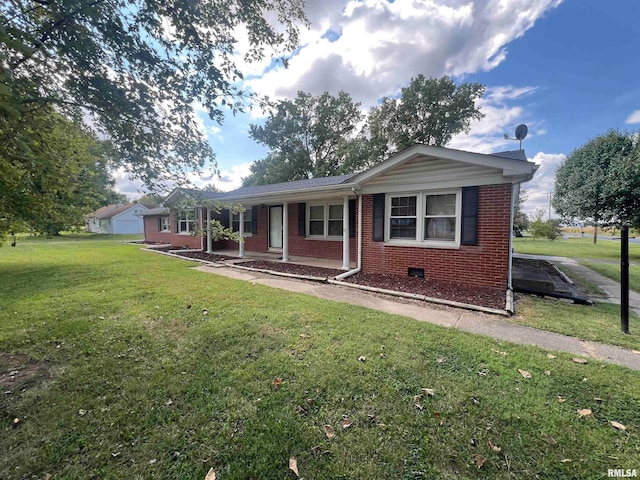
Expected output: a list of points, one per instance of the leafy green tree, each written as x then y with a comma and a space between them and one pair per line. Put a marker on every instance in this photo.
520, 219
429, 111
51, 176
309, 136
600, 181
135, 69
541, 228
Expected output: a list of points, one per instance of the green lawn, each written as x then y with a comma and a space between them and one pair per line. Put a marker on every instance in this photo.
575, 248
149, 369
613, 271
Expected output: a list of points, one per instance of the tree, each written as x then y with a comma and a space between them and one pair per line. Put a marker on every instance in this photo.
133, 70
540, 228
307, 137
429, 111
600, 181
51, 177
520, 219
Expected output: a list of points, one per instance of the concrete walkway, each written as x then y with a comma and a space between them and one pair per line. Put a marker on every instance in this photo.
468, 321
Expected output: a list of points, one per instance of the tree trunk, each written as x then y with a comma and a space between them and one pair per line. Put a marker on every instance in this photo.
595, 233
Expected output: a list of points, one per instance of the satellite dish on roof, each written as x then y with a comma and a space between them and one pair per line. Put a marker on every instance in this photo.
521, 133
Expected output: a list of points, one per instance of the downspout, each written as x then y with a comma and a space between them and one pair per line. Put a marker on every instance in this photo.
515, 193
344, 275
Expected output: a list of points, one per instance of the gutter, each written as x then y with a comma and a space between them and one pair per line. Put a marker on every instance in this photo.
344, 275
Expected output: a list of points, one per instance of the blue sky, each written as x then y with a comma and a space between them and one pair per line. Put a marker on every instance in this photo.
570, 70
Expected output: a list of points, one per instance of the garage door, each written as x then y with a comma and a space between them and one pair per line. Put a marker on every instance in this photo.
128, 226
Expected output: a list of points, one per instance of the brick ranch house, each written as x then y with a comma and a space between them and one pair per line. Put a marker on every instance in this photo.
444, 213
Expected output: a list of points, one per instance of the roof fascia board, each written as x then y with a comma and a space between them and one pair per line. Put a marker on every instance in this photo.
507, 165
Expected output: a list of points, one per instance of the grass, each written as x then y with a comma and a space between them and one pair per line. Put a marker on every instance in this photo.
582, 248
598, 323
613, 271
174, 371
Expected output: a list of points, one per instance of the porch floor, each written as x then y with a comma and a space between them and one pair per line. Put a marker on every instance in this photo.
277, 257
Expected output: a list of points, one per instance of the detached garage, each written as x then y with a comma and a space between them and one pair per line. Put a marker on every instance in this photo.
117, 219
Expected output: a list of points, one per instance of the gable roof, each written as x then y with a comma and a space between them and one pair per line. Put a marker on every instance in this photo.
511, 164
110, 211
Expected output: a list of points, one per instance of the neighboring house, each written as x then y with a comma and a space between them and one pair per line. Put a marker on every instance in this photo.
117, 219
444, 213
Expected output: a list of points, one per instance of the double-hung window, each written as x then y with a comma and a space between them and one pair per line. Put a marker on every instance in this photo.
186, 222
440, 217
404, 217
325, 220
424, 218
248, 221
165, 224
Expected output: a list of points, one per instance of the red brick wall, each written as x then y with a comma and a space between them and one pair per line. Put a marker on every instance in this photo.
484, 264
298, 245
151, 234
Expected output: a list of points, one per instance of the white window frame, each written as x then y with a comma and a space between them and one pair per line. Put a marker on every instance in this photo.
247, 229
416, 216
421, 212
165, 224
325, 220
187, 217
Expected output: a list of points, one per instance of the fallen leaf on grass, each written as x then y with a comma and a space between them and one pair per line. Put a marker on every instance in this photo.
346, 423
211, 475
617, 425
581, 361
304, 335
115, 454
547, 372
480, 461
636, 352
427, 391
16, 421
419, 407
561, 399
504, 354
598, 399
494, 447
82, 412
169, 402
550, 356
362, 358
205, 312
524, 373
293, 466
565, 460
277, 381
441, 360
585, 412
549, 439
329, 431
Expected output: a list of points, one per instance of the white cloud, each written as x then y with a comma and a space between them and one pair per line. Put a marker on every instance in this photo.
500, 116
226, 180
543, 182
378, 46
633, 118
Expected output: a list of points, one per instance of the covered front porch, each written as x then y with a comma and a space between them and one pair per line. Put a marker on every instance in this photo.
277, 257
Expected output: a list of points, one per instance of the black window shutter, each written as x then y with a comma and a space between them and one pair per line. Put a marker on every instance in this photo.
254, 219
352, 218
378, 217
469, 233
302, 219
224, 217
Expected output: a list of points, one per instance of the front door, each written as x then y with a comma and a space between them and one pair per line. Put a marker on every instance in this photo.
275, 227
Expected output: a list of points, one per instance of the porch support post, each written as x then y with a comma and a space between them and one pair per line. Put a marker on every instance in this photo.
241, 233
209, 242
285, 232
345, 234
